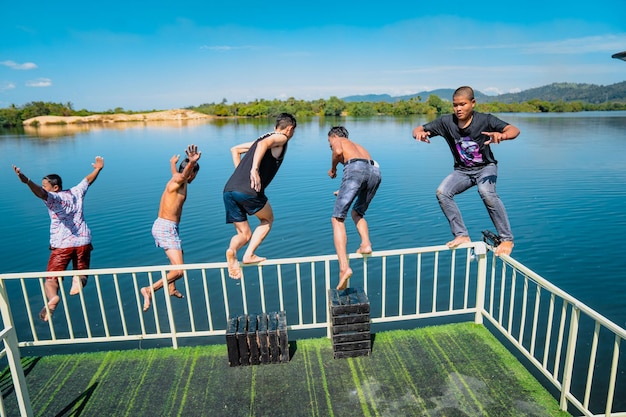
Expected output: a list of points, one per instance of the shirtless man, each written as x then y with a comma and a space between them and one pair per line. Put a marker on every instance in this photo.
469, 135
165, 227
244, 192
361, 178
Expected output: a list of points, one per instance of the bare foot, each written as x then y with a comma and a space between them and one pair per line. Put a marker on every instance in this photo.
364, 250
458, 241
504, 248
78, 282
176, 293
52, 305
253, 259
145, 291
234, 270
343, 279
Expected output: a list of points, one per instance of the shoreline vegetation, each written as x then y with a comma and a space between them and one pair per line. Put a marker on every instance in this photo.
39, 113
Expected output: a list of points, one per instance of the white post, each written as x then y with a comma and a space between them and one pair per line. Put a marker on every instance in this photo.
569, 356
13, 354
480, 251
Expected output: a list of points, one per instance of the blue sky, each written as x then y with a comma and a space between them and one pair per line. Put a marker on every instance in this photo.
164, 55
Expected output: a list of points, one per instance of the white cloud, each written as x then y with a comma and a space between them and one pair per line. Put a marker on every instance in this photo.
39, 82
7, 86
222, 48
578, 45
492, 91
588, 44
16, 66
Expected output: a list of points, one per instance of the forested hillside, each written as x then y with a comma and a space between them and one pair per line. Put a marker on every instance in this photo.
567, 92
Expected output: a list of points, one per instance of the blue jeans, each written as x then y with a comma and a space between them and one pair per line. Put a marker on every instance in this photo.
457, 182
360, 181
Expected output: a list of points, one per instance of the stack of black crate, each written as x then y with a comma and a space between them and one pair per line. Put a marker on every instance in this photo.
254, 339
350, 322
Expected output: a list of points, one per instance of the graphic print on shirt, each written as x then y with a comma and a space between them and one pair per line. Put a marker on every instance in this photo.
469, 152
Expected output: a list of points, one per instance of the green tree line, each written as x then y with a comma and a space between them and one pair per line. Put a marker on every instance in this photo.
434, 105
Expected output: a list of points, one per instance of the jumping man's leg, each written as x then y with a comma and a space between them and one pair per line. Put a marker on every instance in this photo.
341, 239
266, 217
497, 212
362, 228
82, 260
52, 290
59, 260
237, 242
176, 258
454, 184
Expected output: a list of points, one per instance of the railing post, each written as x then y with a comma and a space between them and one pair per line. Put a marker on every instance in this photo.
480, 251
570, 352
168, 306
13, 354
326, 288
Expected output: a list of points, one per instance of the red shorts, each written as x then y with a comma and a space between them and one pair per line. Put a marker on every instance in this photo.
60, 258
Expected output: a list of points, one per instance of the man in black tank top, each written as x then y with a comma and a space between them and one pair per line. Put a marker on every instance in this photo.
244, 192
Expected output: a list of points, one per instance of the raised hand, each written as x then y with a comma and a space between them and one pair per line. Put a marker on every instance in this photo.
494, 137
192, 153
20, 175
99, 164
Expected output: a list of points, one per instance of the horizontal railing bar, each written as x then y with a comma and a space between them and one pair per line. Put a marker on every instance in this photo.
222, 265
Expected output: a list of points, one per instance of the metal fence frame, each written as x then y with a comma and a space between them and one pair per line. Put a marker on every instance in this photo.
403, 284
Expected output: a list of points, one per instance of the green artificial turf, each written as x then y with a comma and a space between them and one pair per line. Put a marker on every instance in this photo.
451, 370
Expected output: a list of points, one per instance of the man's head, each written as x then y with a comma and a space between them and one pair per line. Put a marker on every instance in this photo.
52, 183
463, 103
286, 124
194, 170
339, 131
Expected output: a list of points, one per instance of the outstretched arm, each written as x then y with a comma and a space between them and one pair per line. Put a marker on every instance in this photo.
238, 150
35, 188
97, 167
421, 135
193, 156
510, 132
173, 161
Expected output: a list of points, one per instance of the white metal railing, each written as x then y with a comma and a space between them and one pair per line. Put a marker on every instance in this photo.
573, 346
546, 325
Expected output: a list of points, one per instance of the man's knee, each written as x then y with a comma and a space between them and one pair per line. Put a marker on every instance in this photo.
442, 195
337, 221
489, 195
245, 234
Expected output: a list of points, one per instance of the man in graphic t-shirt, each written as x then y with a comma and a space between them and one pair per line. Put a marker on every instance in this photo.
244, 192
469, 135
70, 237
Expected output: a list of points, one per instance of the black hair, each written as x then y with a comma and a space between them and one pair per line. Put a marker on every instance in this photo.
54, 179
339, 131
284, 120
184, 163
464, 91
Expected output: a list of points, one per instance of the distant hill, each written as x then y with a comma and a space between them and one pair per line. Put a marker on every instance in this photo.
588, 93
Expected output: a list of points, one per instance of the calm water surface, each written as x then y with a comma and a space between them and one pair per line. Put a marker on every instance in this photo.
563, 181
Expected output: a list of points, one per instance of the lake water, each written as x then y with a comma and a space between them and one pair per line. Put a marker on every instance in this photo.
563, 181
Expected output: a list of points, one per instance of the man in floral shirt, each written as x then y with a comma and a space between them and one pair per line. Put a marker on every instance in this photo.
70, 237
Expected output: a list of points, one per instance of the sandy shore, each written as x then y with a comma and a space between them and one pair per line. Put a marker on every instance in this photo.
167, 115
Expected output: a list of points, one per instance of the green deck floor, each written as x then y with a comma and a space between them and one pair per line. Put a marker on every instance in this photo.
450, 370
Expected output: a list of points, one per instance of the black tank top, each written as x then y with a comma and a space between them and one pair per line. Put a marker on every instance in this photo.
240, 180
